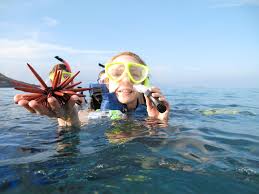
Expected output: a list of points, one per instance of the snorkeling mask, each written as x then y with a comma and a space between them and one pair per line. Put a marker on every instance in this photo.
64, 75
65, 72
137, 73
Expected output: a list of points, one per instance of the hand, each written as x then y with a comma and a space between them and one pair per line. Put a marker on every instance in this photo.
151, 109
66, 114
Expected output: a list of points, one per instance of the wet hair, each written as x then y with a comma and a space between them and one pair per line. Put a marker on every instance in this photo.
61, 66
101, 73
128, 53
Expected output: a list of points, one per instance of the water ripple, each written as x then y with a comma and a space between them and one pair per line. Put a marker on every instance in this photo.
212, 139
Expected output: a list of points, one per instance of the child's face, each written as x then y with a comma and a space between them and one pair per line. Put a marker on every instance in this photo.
124, 87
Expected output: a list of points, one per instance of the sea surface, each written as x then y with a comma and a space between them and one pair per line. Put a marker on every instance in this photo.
210, 145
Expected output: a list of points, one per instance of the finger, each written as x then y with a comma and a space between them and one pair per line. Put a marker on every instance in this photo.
27, 97
17, 98
149, 103
162, 98
155, 89
156, 95
56, 107
166, 104
25, 104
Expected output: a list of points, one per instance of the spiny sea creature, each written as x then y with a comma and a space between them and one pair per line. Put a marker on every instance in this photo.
61, 90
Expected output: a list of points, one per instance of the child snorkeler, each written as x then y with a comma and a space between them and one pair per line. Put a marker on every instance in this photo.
122, 72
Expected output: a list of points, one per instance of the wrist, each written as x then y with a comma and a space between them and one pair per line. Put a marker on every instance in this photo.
70, 120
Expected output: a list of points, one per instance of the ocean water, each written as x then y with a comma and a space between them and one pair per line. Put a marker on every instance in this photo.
210, 145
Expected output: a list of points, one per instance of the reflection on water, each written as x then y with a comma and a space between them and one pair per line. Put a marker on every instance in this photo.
210, 145
67, 142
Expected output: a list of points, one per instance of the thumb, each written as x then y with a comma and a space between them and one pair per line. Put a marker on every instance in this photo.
149, 103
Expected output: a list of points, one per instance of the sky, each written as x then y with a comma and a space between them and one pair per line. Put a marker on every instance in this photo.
194, 43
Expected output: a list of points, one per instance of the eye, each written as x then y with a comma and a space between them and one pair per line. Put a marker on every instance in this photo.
116, 74
136, 73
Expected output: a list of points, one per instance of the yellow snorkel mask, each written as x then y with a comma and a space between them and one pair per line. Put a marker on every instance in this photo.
137, 73
64, 75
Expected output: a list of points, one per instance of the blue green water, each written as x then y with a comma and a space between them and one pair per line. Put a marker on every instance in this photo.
211, 145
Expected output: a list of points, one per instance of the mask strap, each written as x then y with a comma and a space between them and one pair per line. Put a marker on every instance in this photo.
64, 62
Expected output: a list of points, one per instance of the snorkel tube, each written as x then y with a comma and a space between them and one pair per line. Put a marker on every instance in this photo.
64, 62
101, 65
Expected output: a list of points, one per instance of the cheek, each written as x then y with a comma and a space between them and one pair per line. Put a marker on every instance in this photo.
113, 86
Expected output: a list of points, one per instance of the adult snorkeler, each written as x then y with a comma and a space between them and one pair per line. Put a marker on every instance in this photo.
122, 72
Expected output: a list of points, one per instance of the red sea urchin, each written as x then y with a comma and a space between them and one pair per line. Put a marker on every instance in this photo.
61, 90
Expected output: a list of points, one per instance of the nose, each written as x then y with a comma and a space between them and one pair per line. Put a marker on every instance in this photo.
125, 79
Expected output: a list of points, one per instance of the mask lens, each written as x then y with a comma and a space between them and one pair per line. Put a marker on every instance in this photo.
138, 72
65, 75
116, 70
